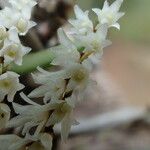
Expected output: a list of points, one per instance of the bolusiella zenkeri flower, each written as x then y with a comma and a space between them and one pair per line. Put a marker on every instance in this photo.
33, 115
63, 114
9, 85
23, 25
82, 23
44, 142
19, 20
65, 53
4, 115
13, 50
94, 43
52, 85
79, 77
110, 14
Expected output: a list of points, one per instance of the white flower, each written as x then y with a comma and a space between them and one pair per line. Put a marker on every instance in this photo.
83, 24
66, 53
44, 142
33, 115
52, 85
79, 77
4, 115
79, 80
13, 50
19, 20
9, 85
110, 14
23, 25
94, 43
63, 114
6, 18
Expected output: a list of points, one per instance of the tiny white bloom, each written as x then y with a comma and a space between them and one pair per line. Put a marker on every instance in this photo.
110, 14
6, 18
9, 85
23, 25
94, 43
67, 52
63, 114
79, 77
19, 20
52, 85
24, 8
83, 24
44, 142
4, 115
33, 115
13, 50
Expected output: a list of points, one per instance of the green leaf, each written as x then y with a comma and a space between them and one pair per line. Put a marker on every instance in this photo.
32, 61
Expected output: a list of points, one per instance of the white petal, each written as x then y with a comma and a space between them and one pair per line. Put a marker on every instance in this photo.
64, 40
66, 126
46, 140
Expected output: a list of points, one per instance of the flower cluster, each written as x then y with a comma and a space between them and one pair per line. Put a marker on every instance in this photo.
11, 49
14, 22
80, 48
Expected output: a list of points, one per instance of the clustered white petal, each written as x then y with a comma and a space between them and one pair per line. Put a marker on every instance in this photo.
80, 48
14, 21
110, 14
82, 23
9, 85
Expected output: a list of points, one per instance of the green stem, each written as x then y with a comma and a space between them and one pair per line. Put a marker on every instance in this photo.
32, 61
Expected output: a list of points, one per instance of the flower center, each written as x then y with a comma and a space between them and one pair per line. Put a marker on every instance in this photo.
110, 18
65, 108
22, 25
96, 46
11, 53
5, 84
79, 75
12, 50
